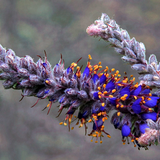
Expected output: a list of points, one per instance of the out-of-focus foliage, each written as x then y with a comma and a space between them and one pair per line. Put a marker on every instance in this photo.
32, 26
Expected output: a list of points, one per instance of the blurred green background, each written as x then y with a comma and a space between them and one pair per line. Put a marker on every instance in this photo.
58, 26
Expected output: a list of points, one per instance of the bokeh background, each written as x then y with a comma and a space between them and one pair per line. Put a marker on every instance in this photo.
58, 26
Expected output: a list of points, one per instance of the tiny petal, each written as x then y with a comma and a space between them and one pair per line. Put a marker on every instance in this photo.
125, 91
113, 101
95, 95
142, 127
95, 78
146, 91
110, 86
152, 115
102, 79
125, 130
152, 102
137, 91
97, 124
69, 70
136, 106
86, 72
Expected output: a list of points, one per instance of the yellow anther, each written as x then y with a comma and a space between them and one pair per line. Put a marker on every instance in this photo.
99, 114
103, 104
99, 93
95, 117
113, 90
104, 113
143, 102
107, 68
107, 75
81, 125
135, 97
150, 109
124, 143
103, 119
108, 136
136, 85
49, 104
99, 63
122, 106
95, 67
60, 123
104, 85
118, 113
110, 96
99, 134
133, 79
102, 127
91, 140
99, 97
89, 66
78, 67
99, 66
132, 140
101, 142
47, 81
119, 75
117, 72
136, 139
99, 88
149, 99
105, 92
150, 94
94, 135
131, 75
72, 128
89, 57
135, 145
73, 64
95, 72
65, 124
90, 120
70, 119
113, 69
96, 141
142, 98
117, 105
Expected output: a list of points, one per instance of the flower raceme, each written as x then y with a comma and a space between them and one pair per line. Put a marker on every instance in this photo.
93, 93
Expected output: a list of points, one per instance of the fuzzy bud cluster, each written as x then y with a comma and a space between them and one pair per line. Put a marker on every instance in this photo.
133, 51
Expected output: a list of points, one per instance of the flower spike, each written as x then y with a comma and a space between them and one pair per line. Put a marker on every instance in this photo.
90, 96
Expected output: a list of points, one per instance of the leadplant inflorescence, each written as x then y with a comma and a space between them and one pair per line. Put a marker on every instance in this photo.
89, 96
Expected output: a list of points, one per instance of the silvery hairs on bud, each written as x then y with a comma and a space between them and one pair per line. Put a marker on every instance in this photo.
133, 51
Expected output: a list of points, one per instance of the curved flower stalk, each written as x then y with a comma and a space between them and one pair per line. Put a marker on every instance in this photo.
133, 51
93, 93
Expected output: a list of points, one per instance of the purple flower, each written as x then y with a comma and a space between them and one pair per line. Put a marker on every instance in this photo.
152, 115
125, 91
152, 102
136, 107
137, 91
110, 86
142, 127
125, 130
